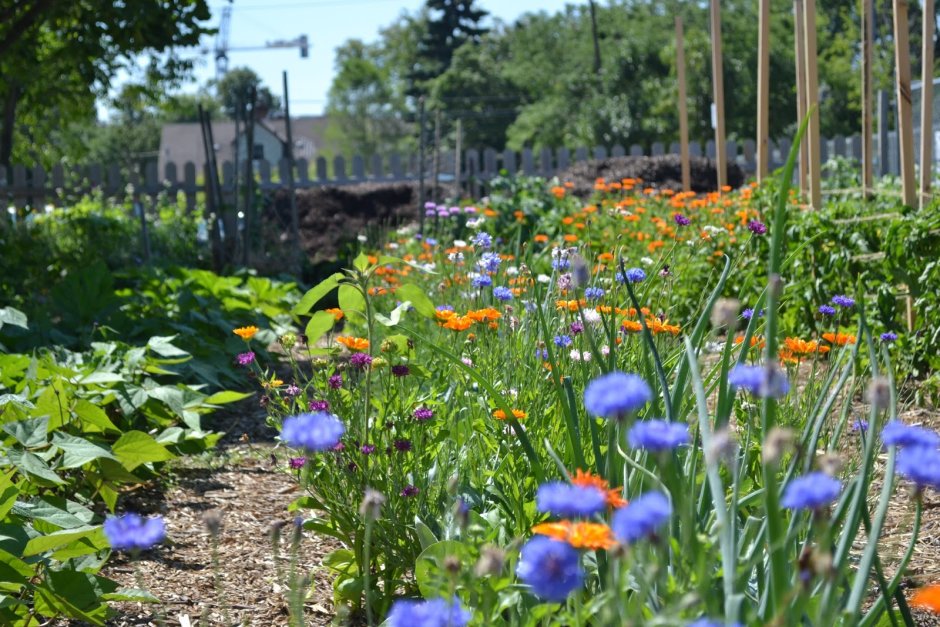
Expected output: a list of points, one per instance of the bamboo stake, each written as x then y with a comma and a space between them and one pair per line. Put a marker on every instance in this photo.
721, 156
800, 89
763, 90
868, 43
683, 109
902, 63
812, 100
926, 104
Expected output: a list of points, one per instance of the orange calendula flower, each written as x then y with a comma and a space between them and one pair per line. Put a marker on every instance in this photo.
631, 326
337, 313
584, 479
558, 192
445, 314
839, 339
555, 530
487, 313
499, 414
541, 238
458, 323
802, 347
662, 327
580, 535
927, 598
353, 343
245, 333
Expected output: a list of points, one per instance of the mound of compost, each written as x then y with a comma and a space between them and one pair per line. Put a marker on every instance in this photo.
662, 172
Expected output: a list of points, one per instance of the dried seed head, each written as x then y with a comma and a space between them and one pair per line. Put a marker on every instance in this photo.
388, 346
830, 463
879, 393
371, 506
722, 447
491, 561
288, 340
777, 443
213, 521
452, 564
725, 312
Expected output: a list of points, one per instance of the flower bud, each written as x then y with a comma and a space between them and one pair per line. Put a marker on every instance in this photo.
725, 312
879, 393
777, 443
491, 561
371, 506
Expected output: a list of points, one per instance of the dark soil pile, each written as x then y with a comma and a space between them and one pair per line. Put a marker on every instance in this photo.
664, 171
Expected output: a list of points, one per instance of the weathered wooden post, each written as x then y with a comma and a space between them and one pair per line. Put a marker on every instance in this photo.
718, 90
902, 63
926, 104
763, 89
868, 43
812, 101
683, 108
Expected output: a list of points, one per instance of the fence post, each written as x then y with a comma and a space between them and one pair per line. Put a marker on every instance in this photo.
926, 103
421, 165
683, 108
868, 43
718, 90
902, 72
812, 101
763, 88
884, 158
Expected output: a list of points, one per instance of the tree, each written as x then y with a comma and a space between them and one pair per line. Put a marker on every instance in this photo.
235, 87
57, 57
450, 24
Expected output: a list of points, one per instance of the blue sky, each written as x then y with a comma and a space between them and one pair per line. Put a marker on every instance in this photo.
327, 24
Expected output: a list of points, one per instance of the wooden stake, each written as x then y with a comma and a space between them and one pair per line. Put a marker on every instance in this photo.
812, 101
902, 68
800, 89
683, 109
926, 104
721, 157
458, 160
868, 44
763, 90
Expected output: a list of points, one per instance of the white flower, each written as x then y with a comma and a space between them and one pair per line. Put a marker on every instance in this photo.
455, 257
646, 261
605, 350
709, 228
459, 243
543, 278
475, 223
575, 354
392, 245
362, 238
512, 271
591, 316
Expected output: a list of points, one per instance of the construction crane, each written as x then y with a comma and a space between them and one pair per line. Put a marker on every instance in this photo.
222, 48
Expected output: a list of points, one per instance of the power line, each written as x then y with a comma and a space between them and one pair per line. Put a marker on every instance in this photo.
310, 4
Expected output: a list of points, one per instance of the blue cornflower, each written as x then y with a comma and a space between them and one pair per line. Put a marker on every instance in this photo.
658, 435
843, 301
827, 310
550, 567
641, 518
920, 464
433, 613
889, 337
489, 262
319, 431
431, 241
896, 433
483, 240
708, 622
562, 341
812, 491
502, 293
594, 293
541, 353
616, 394
445, 307
760, 380
561, 263
748, 313
482, 280
566, 500
130, 532
860, 425
633, 275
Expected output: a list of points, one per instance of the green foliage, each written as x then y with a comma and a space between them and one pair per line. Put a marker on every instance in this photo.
234, 91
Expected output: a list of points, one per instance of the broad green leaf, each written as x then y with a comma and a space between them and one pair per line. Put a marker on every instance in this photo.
170, 396
135, 595
13, 568
225, 397
78, 451
320, 323
417, 297
361, 262
13, 317
57, 539
313, 296
53, 405
8, 493
100, 378
163, 346
351, 300
74, 594
16, 399
430, 573
136, 447
29, 433
56, 511
32, 464
393, 318
93, 418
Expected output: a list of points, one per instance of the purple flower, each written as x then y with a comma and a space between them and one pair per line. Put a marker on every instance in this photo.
757, 227
360, 360
297, 462
761, 381
860, 425
889, 337
896, 433
633, 275
921, 465
483, 240
480, 281
827, 310
502, 293
616, 394
748, 313
409, 491
423, 413
403, 445
245, 359
843, 301
319, 405
641, 518
658, 435
566, 500
550, 567
400, 370
562, 341
433, 613
594, 293
318, 431
292, 390
367, 449
130, 532
561, 263
812, 491
681, 220
576, 327
489, 262
336, 381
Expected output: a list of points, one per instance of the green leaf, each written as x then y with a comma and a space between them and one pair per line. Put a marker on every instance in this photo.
13, 317
317, 292
430, 572
136, 447
351, 299
16, 399
100, 378
163, 346
361, 262
53, 405
393, 318
93, 418
29, 433
135, 595
225, 397
31, 464
56, 511
57, 539
320, 323
78, 451
417, 297
8, 493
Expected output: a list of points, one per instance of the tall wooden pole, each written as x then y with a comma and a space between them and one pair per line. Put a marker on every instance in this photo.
763, 90
683, 109
421, 195
902, 63
926, 104
458, 160
296, 252
812, 101
868, 44
721, 156
801, 89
